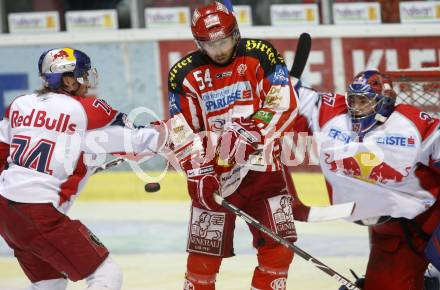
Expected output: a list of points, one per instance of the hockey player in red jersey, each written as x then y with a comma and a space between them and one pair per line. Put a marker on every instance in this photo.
239, 92
384, 157
44, 137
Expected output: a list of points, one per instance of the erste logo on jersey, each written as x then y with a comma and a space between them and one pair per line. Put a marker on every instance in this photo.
39, 119
345, 137
222, 98
396, 140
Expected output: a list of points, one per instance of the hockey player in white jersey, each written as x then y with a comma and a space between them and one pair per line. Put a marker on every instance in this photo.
43, 139
385, 157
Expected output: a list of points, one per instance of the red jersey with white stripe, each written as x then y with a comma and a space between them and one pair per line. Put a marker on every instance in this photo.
48, 135
393, 171
255, 85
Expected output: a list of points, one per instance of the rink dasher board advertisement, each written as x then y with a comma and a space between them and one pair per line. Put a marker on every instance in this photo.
133, 64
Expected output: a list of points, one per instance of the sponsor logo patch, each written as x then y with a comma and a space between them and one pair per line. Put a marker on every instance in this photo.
224, 97
279, 77
175, 70
218, 125
241, 69
206, 232
200, 171
279, 284
272, 56
345, 137
225, 74
273, 98
395, 140
263, 116
281, 208
211, 20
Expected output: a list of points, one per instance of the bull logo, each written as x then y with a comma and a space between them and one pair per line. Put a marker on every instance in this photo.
366, 166
60, 54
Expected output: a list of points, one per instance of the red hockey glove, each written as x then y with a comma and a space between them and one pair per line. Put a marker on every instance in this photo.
203, 183
237, 142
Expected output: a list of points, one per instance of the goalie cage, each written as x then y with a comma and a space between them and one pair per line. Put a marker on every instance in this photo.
420, 88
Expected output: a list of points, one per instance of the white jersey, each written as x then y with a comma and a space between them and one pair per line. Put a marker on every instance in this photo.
391, 172
48, 136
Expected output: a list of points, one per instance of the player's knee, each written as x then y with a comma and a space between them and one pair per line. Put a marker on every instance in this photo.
53, 284
274, 257
202, 269
107, 276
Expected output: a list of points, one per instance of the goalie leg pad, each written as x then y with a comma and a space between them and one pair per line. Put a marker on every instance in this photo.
52, 284
393, 264
108, 276
432, 251
273, 267
201, 271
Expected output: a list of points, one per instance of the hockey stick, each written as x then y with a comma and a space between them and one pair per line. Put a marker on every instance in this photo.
228, 5
318, 264
301, 55
149, 187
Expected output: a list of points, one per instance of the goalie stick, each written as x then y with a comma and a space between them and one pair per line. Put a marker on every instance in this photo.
306, 256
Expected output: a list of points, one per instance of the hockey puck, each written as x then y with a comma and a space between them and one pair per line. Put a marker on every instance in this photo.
152, 187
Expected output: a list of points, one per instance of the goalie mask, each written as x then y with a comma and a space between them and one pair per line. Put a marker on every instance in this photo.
55, 63
215, 30
370, 101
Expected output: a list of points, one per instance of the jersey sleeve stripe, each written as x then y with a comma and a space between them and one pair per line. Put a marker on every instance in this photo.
70, 186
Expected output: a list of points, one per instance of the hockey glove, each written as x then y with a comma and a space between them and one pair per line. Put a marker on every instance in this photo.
237, 142
203, 183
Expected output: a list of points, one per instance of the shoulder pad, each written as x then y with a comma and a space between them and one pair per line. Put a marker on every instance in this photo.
99, 113
182, 68
423, 121
263, 50
332, 105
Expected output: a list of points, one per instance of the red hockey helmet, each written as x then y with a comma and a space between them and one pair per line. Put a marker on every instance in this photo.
213, 22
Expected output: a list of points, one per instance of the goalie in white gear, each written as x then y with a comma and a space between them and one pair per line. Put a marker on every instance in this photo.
385, 158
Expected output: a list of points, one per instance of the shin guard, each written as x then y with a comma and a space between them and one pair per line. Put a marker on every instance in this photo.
273, 266
201, 272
